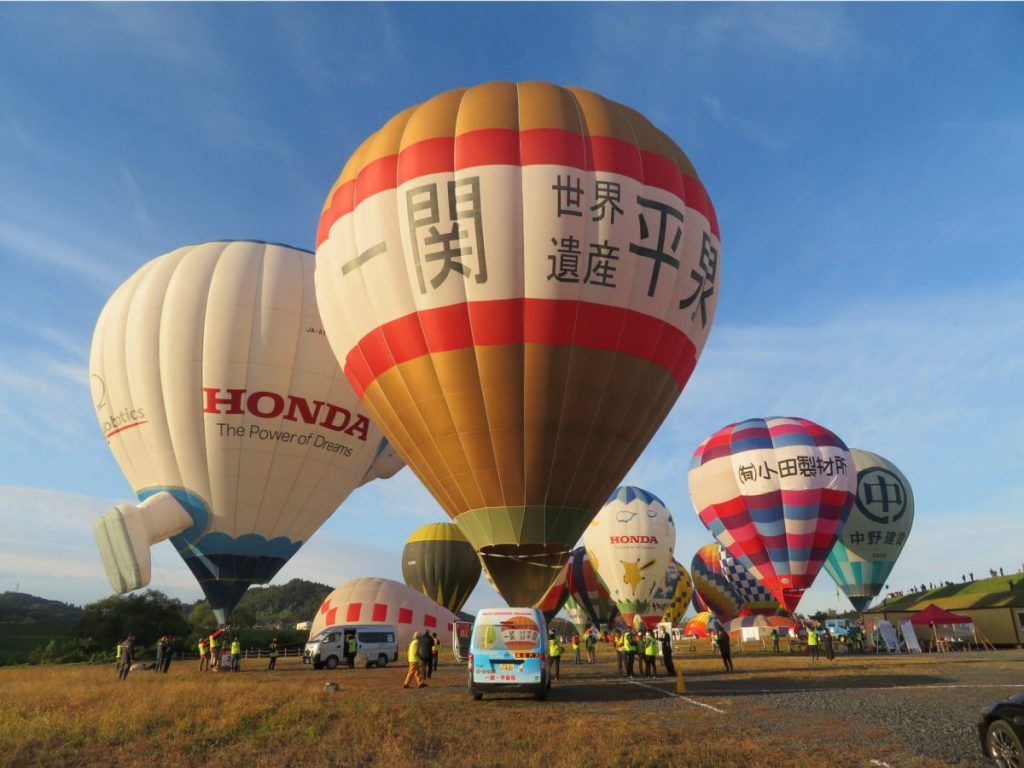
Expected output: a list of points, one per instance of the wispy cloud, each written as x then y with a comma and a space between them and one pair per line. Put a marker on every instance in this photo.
757, 132
38, 245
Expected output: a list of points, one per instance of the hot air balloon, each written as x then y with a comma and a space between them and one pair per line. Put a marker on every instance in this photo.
587, 591
226, 411
630, 545
698, 602
874, 535
551, 602
383, 601
711, 586
754, 598
698, 625
775, 492
518, 279
576, 614
670, 598
439, 562
759, 621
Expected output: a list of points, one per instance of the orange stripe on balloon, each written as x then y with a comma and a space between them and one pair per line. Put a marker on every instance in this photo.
520, 321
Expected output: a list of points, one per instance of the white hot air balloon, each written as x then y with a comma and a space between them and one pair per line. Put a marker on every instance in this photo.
224, 407
383, 601
630, 545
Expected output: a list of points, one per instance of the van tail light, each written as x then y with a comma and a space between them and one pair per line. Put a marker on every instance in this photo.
471, 662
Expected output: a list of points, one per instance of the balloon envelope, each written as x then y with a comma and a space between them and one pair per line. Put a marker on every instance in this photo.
670, 598
383, 601
751, 594
874, 535
212, 380
439, 562
518, 279
698, 625
587, 591
710, 584
775, 492
630, 545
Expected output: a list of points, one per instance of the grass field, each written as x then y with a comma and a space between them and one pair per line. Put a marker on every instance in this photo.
783, 710
18, 640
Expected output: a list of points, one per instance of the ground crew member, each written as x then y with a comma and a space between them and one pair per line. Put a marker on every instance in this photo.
274, 653
554, 655
620, 652
775, 640
236, 654
576, 649
215, 653
812, 642
666, 653
350, 649
204, 654
436, 651
127, 656
650, 654
629, 648
413, 657
591, 643
723, 648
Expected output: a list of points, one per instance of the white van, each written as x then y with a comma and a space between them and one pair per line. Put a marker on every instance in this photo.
508, 652
376, 645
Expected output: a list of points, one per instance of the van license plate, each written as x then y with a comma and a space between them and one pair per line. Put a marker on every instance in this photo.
506, 667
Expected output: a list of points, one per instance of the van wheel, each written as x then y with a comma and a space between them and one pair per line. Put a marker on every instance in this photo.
332, 662
382, 660
477, 696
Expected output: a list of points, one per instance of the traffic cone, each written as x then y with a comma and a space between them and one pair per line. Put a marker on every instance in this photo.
680, 685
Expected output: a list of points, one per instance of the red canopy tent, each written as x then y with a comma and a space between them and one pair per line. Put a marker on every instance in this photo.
949, 630
933, 614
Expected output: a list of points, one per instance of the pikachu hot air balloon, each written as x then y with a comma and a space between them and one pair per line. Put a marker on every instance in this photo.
230, 418
518, 279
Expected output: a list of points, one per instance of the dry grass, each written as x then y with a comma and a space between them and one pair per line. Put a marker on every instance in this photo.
81, 715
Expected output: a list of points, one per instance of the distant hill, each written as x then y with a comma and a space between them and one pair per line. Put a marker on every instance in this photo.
981, 593
22, 608
281, 605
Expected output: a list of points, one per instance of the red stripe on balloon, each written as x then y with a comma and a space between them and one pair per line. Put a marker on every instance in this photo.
520, 321
504, 146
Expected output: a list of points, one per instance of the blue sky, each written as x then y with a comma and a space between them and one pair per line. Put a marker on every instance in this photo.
865, 161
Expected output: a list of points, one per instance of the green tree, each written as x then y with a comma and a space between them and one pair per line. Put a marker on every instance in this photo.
147, 615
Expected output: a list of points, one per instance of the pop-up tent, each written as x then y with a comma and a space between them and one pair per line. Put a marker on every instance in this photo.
948, 629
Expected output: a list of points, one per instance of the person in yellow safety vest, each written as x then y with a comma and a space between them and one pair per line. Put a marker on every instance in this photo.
204, 654
620, 652
576, 649
413, 657
554, 655
215, 653
350, 649
812, 642
629, 648
274, 653
117, 654
236, 654
650, 654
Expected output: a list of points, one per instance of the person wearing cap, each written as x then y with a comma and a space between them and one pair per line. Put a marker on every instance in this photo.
413, 657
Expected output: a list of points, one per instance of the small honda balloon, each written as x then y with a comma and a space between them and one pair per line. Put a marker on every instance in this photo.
518, 280
630, 545
439, 562
873, 537
775, 492
230, 418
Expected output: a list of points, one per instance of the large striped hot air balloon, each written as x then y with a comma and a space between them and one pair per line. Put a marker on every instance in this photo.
587, 591
630, 545
709, 583
874, 535
775, 492
518, 279
439, 562
226, 411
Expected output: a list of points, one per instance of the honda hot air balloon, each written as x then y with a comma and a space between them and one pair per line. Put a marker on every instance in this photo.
712, 591
775, 492
439, 562
587, 591
518, 279
630, 545
873, 537
229, 416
